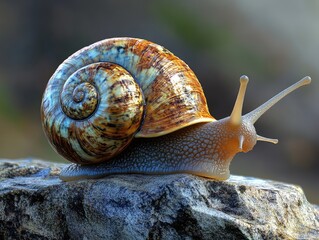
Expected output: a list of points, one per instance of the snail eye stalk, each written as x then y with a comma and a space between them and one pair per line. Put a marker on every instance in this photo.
254, 115
235, 117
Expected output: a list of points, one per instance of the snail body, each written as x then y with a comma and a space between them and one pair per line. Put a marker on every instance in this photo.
127, 105
196, 150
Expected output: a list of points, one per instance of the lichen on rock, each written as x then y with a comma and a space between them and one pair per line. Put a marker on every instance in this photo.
36, 204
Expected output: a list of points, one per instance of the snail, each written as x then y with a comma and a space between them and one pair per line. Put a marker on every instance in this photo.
127, 105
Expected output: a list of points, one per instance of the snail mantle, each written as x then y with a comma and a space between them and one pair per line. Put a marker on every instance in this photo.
36, 204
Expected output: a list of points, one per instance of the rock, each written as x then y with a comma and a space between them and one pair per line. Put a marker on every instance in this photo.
35, 204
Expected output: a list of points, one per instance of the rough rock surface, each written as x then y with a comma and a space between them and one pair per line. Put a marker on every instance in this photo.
35, 204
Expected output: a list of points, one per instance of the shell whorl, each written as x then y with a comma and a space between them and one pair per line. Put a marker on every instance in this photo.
105, 94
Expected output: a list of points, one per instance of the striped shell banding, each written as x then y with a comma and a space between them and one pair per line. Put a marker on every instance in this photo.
104, 95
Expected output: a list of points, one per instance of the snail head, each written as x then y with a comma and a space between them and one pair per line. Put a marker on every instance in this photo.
242, 127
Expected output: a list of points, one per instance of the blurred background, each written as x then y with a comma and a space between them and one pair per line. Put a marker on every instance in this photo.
275, 43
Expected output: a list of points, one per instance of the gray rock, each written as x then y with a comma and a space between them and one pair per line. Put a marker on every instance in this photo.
35, 204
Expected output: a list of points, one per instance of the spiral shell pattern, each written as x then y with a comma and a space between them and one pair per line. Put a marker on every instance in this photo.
105, 94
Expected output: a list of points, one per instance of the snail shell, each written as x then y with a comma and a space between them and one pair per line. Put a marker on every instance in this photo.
104, 95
